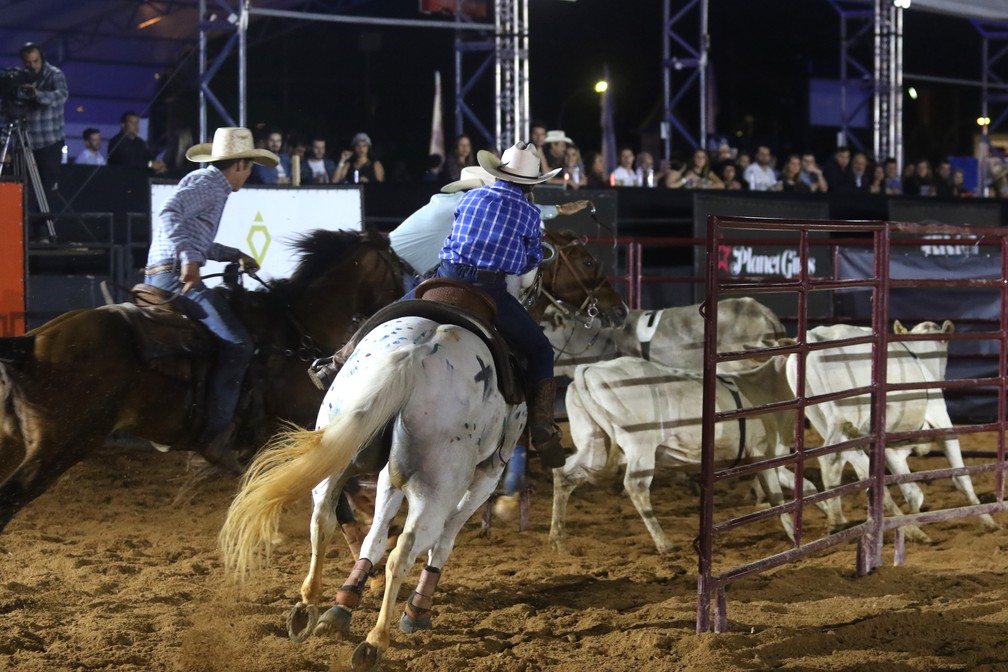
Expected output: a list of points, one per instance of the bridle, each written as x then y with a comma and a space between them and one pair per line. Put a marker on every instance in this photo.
307, 349
588, 310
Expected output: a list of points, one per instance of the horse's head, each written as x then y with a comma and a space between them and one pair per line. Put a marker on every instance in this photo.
575, 283
342, 278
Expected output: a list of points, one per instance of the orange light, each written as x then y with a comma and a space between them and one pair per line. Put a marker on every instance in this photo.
149, 22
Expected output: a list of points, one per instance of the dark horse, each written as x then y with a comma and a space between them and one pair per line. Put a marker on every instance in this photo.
68, 384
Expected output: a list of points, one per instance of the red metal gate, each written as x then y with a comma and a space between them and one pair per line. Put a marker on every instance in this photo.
712, 581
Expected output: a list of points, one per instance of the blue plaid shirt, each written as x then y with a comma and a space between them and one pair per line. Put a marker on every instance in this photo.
44, 122
495, 229
188, 222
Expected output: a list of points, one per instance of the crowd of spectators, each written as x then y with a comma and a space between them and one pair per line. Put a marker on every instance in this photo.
844, 172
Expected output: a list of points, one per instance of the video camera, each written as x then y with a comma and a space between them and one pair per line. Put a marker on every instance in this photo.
16, 90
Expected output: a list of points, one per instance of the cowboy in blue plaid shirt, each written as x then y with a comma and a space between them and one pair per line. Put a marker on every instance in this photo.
44, 121
497, 233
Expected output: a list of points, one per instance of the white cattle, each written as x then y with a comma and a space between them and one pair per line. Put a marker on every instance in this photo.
672, 336
849, 366
643, 414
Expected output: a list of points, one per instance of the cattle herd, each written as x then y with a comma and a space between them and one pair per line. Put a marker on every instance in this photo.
643, 410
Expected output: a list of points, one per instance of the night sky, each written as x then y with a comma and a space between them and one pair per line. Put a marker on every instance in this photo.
337, 79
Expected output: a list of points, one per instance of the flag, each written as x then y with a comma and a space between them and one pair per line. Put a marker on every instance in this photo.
609, 156
437, 129
712, 108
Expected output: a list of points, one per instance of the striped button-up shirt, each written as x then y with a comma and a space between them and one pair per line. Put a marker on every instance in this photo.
188, 222
495, 229
44, 122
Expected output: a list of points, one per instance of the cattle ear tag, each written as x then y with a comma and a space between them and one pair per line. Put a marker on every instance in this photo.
898, 328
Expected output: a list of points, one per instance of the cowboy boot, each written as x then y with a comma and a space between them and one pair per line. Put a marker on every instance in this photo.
323, 371
543, 432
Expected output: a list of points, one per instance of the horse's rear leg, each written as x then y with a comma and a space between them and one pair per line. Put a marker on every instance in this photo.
302, 619
337, 619
416, 613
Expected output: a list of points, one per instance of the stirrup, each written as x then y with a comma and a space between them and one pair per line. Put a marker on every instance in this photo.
322, 372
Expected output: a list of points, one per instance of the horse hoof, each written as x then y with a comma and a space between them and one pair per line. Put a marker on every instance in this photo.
334, 623
409, 625
365, 658
301, 621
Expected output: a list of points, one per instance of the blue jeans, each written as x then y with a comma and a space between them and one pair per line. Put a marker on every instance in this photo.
513, 321
234, 345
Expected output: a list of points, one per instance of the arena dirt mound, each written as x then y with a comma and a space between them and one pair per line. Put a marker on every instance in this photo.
104, 573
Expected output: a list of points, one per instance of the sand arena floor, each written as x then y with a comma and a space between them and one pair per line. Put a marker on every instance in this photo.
105, 573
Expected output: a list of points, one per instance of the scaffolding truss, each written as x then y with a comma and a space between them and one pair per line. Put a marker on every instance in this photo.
503, 44
684, 69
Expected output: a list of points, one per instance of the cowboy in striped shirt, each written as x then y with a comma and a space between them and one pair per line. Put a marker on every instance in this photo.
182, 241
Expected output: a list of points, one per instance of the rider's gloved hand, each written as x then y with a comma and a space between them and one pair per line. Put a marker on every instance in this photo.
572, 207
247, 263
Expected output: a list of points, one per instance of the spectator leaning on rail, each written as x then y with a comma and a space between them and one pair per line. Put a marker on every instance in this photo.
497, 233
46, 93
181, 242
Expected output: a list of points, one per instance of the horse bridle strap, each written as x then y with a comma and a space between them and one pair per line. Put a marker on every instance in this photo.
589, 305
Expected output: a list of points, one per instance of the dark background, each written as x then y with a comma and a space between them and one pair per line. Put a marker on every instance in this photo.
335, 79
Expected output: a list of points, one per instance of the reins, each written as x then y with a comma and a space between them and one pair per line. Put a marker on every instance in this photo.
588, 307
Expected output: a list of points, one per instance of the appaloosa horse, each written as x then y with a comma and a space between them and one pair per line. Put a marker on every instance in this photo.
433, 389
573, 281
71, 382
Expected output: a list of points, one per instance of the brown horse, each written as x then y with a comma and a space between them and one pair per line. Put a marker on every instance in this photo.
71, 382
575, 283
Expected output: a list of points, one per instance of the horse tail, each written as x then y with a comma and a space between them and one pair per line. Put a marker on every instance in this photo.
297, 460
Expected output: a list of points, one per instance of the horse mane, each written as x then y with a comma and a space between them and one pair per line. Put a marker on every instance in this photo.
319, 250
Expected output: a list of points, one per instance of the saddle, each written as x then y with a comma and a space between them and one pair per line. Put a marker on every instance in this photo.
454, 302
168, 341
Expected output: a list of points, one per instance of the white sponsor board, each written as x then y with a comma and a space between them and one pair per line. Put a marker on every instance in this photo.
264, 221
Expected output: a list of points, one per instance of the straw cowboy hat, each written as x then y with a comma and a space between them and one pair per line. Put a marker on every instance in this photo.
520, 164
557, 136
472, 177
231, 143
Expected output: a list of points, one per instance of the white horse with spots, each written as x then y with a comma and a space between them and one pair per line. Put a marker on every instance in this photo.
848, 367
432, 389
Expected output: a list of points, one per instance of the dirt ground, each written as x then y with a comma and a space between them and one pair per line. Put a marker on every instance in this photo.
105, 573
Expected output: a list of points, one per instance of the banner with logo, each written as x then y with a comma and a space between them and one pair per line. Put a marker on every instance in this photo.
264, 222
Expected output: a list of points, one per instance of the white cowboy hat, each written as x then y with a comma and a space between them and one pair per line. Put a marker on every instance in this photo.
520, 164
557, 136
472, 177
231, 143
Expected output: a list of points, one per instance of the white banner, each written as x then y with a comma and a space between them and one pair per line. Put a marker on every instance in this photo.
264, 221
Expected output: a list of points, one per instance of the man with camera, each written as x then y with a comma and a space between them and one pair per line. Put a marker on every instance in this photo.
43, 94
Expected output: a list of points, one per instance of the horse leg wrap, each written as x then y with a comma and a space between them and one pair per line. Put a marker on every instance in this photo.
349, 594
353, 536
421, 601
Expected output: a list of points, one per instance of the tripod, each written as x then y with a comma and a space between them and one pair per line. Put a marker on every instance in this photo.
24, 162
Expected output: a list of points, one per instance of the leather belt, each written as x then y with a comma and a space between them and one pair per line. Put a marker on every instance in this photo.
481, 274
164, 267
